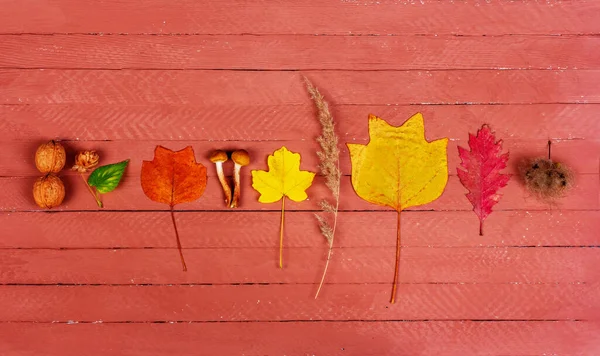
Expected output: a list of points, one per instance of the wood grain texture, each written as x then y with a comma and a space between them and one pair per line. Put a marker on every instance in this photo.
83, 122
301, 265
135, 87
241, 229
17, 196
301, 17
122, 76
22, 153
279, 52
453, 338
294, 303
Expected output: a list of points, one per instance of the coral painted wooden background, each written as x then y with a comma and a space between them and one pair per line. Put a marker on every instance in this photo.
122, 76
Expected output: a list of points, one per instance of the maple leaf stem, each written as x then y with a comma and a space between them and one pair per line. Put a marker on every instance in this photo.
480, 228
178, 241
398, 245
91, 191
281, 232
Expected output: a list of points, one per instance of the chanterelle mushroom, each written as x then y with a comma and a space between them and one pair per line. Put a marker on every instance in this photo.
240, 158
218, 157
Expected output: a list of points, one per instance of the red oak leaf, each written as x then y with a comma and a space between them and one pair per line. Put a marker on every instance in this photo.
481, 174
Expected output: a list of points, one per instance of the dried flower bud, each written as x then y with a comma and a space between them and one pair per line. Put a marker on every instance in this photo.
48, 191
85, 160
50, 157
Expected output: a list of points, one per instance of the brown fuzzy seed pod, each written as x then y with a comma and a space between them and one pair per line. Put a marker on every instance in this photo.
50, 157
48, 191
546, 179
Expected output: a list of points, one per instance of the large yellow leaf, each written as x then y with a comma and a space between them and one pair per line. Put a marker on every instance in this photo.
399, 168
283, 179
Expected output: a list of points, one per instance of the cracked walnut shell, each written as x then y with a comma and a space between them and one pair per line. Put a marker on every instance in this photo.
48, 191
50, 157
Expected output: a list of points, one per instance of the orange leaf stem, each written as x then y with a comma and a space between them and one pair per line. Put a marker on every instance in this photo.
398, 246
281, 232
178, 241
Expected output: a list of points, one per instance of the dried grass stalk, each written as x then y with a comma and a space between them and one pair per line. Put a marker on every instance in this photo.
329, 166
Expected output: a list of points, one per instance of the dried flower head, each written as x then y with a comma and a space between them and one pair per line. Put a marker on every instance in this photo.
85, 160
546, 179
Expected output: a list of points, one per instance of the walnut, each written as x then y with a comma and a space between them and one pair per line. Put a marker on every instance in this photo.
48, 191
50, 157
85, 160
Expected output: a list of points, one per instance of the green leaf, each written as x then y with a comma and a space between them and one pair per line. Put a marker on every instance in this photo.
107, 178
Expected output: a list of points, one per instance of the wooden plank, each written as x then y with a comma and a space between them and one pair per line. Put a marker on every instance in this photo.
17, 196
301, 265
83, 122
230, 88
279, 52
301, 17
22, 153
257, 229
294, 302
452, 338
510, 292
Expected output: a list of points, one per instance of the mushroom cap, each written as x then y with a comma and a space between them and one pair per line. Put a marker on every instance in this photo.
218, 156
240, 157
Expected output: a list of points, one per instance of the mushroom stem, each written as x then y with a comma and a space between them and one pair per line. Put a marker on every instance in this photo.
218, 157
236, 188
224, 183
240, 158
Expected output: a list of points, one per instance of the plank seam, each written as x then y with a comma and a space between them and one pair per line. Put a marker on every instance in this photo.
71, 285
70, 322
293, 248
457, 103
294, 70
274, 34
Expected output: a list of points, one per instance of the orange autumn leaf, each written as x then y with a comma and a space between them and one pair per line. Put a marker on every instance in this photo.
173, 178
398, 168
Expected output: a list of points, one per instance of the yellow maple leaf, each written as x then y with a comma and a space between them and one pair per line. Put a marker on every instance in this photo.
284, 179
399, 168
